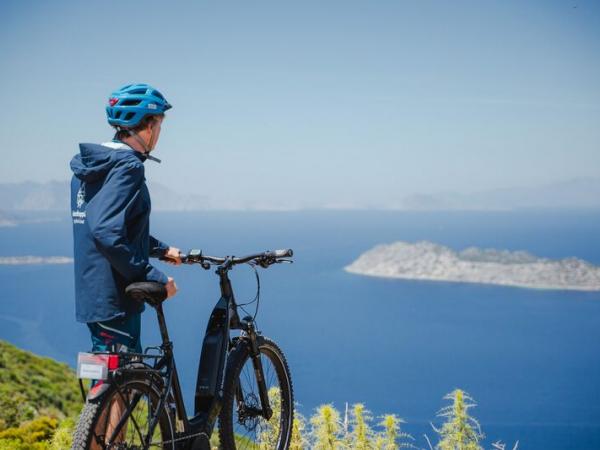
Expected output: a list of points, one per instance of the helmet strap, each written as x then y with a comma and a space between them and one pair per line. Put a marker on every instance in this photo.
144, 145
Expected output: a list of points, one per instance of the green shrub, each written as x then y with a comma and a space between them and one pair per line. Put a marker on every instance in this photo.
361, 437
31, 435
63, 436
460, 431
326, 429
33, 386
392, 437
299, 441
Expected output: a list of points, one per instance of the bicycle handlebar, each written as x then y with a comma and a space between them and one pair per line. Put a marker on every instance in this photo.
264, 259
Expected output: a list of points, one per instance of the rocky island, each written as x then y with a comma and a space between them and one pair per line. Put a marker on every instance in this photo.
429, 261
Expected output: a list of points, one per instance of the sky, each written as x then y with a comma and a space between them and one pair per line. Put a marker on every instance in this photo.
335, 103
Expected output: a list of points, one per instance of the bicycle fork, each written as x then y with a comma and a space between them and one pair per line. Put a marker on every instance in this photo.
266, 412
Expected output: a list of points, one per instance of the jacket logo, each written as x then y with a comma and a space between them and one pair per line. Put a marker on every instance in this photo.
80, 196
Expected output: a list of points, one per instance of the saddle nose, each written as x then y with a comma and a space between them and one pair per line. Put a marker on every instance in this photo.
148, 291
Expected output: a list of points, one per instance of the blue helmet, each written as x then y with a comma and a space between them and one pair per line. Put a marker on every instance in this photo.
128, 105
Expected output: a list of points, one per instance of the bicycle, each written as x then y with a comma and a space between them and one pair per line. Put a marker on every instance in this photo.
244, 380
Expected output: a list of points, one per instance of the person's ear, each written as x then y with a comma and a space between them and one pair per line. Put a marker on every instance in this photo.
154, 123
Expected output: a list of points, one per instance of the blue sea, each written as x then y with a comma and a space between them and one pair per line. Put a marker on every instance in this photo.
529, 358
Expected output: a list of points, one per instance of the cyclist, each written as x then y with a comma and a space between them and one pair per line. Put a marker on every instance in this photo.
110, 206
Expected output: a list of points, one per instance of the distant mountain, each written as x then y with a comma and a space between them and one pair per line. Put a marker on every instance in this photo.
30, 195
166, 199
6, 219
573, 194
55, 196
577, 193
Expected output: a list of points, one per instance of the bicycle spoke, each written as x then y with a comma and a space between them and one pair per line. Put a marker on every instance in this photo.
126, 420
252, 430
136, 426
128, 408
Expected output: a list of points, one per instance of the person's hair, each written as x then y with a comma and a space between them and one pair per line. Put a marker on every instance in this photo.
144, 123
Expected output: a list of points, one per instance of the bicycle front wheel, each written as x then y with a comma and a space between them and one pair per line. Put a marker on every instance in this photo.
120, 419
242, 425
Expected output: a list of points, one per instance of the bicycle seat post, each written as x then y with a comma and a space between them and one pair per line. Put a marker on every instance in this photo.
164, 333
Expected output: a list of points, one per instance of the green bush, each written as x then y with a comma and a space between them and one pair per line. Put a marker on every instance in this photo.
326, 429
31, 435
63, 436
33, 386
460, 431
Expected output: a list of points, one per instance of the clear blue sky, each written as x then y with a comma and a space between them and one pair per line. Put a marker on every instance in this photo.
334, 102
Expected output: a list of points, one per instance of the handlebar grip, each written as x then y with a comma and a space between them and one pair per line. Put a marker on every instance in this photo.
192, 256
282, 253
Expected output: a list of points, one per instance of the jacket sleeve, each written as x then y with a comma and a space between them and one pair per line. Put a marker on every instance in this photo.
107, 215
157, 248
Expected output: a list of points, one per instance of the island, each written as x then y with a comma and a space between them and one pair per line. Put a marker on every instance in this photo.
429, 261
27, 260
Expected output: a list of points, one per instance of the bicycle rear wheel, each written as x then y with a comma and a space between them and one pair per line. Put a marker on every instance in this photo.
241, 426
134, 403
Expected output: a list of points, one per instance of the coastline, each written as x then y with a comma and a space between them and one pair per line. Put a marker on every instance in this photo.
449, 280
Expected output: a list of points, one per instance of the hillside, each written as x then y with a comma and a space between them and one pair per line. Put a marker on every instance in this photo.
31, 386
36, 395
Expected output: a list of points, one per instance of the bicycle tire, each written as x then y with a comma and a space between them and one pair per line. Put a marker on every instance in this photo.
88, 434
281, 421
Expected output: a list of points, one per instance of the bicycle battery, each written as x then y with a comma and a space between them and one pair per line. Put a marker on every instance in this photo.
212, 360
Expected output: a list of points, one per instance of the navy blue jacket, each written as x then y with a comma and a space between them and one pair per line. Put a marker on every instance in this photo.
110, 208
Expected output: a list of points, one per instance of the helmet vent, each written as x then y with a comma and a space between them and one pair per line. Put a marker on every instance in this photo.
138, 92
130, 102
129, 115
117, 114
158, 94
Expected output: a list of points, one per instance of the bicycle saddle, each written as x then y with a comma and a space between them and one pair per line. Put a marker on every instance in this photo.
148, 291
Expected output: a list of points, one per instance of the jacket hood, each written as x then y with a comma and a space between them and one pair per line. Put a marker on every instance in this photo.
93, 162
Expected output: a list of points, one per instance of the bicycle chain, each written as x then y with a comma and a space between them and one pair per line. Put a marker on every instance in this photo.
183, 438
117, 446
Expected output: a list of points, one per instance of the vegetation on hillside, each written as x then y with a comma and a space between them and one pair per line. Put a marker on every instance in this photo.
38, 396
40, 402
459, 430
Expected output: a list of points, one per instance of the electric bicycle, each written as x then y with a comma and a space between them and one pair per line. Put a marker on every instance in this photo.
243, 380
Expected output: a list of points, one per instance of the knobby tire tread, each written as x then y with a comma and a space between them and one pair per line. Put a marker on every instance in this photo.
236, 360
81, 437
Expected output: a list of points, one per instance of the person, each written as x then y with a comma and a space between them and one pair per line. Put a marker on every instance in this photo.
110, 206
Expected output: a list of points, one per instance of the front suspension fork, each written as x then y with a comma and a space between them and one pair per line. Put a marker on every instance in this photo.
259, 373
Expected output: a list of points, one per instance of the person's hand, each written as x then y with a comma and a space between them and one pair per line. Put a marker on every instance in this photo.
171, 287
172, 256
